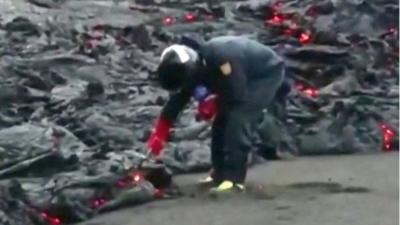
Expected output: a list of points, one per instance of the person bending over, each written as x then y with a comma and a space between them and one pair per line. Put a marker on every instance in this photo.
234, 79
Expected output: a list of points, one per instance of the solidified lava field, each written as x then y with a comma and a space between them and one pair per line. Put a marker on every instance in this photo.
78, 95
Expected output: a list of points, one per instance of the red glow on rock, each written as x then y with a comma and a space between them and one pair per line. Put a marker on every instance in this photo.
168, 20
137, 177
50, 219
388, 135
309, 91
312, 92
276, 19
386, 138
158, 193
189, 17
98, 202
305, 38
392, 30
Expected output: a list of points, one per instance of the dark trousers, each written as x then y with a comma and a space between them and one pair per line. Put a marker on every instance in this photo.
232, 140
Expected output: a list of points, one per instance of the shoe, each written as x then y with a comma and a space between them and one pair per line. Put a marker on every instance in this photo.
228, 186
206, 180
209, 179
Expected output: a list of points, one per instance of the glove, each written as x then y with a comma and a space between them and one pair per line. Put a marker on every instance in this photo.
207, 109
159, 136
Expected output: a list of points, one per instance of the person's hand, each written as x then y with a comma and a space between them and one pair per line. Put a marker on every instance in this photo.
155, 144
208, 108
159, 136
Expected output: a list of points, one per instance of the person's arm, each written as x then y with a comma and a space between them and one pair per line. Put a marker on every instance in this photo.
175, 104
167, 118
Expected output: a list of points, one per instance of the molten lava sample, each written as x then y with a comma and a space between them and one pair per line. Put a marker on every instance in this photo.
137, 177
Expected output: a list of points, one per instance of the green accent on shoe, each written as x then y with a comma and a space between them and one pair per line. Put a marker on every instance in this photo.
228, 186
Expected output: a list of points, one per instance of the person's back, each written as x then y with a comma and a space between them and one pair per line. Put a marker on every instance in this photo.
256, 59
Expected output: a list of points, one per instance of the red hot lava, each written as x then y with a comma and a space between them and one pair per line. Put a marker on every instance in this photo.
50, 219
190, 17
98, 202
309, 91
388, 135
158, 193
137, 177
305, 37
168, 20
276, 19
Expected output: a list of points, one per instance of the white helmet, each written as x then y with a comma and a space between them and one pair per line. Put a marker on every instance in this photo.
175, 66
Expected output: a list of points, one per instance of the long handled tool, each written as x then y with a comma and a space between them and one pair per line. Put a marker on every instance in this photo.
146, 157
142, 159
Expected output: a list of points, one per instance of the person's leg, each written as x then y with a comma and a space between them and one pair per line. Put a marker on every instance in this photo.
217, 147
238, 141
242, 124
